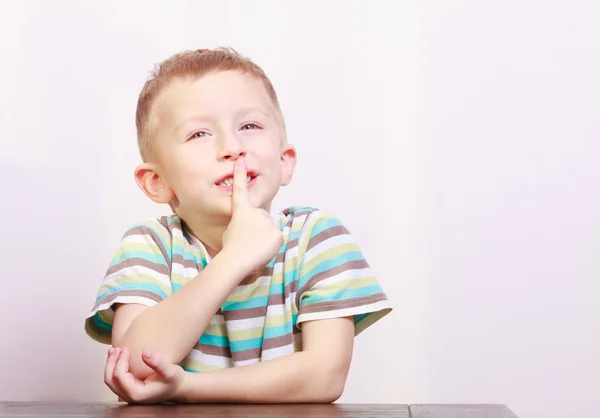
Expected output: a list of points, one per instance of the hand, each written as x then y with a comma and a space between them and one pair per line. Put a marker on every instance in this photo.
162, 386
252, 237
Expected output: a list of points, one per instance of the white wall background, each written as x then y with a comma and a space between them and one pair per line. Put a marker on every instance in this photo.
458, 140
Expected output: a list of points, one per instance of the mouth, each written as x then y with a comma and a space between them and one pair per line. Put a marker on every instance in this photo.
227, 181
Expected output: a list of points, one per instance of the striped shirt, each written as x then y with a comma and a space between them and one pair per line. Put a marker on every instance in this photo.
318, 273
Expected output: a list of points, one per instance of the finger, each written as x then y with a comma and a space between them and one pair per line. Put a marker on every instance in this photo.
159, 365
240, 184
126, 381
109, 368
109, 380
122, 366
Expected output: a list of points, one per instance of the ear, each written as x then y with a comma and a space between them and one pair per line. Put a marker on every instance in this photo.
149, 180
288, 164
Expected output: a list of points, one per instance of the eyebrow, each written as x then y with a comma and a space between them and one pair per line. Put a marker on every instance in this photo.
201, 117
249, 109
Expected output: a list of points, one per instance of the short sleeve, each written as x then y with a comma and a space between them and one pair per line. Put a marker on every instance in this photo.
138, 273
335, 279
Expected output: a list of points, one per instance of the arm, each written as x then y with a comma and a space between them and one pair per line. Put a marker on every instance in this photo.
173, 326
315, 375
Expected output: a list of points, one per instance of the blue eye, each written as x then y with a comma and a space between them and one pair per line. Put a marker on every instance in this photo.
198, 135
250, 126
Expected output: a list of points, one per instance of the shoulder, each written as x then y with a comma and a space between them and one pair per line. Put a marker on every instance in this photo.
312, 220
159, 225
151, 237
310, 223
161, 229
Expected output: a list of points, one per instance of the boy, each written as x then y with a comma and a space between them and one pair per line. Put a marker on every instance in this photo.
219, 302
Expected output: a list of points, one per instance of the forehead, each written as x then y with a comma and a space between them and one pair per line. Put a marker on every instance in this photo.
214, 94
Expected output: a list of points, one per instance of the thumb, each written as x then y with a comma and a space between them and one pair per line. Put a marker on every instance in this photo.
158, 364
240, 185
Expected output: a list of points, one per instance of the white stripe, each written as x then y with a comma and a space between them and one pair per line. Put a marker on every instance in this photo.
189, 272
278, 267
293, 252
251, 288
123, 299
141, 238
217, 319
329, 243
277, 352
246, 362
259, 322
276, 310
138, 270
339, 313
245, 324
209, 359
344, 275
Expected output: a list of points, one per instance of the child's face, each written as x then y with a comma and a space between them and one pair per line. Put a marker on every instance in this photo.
203, 126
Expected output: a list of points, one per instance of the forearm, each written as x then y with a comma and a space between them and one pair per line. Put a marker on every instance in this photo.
302, 377
173, 326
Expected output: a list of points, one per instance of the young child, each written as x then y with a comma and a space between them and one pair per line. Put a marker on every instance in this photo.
220, 301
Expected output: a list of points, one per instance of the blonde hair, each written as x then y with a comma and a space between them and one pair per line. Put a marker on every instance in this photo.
191, 64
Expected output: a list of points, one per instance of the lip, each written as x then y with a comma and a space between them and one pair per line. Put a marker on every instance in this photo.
229, 189
253, 176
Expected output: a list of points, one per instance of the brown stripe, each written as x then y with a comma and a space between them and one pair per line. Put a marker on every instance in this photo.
174, 224
253, 277
136, 262
244, 313
348, 265
273, 300
144, 230
342, 304
247, 354
277, 342
276, 299
142, 293
290, 245
188, 264
326, 234
213, 350
300, 213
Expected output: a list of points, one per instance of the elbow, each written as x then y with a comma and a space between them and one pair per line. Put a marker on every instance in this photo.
332, 385
136, 365
331, 395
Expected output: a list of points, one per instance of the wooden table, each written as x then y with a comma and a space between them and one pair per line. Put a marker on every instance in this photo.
48, 410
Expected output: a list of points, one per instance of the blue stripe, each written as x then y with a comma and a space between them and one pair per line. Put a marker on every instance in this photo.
246, 344
294, 235
153, 228
329, 264
324, 224
274, 332
358, 318
215, 340
188, 255
102, 326
145, 286
126, 255
291, 275
259, 301
343, 294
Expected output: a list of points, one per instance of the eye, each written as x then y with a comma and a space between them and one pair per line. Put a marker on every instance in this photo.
199, 134
250, 125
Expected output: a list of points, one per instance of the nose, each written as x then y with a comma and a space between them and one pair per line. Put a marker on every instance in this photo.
230, 147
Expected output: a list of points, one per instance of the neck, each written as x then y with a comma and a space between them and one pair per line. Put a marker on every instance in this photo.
210, 234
